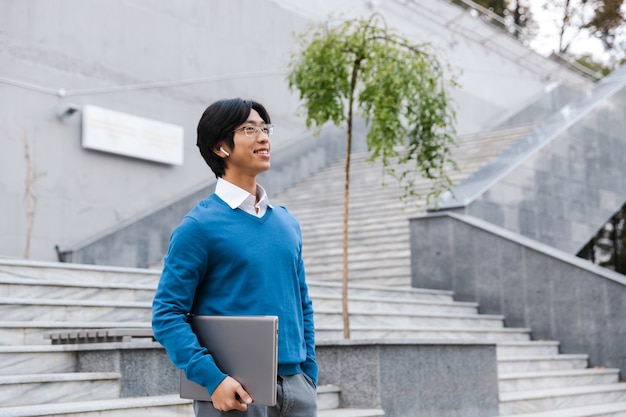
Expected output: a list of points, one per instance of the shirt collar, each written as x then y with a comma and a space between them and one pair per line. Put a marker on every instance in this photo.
235, 196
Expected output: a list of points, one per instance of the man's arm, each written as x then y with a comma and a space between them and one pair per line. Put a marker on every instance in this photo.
184, 266
310, 366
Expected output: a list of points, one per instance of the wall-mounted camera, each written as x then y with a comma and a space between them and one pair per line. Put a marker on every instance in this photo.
67, 110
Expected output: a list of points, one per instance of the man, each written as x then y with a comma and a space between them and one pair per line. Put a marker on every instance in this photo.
236, 254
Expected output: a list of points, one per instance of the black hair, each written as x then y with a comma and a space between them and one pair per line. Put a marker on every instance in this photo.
216, 128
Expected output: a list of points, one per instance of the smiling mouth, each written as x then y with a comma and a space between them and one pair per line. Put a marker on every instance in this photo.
263, 152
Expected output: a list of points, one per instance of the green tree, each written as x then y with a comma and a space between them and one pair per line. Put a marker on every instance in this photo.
401, 90
575, 21
584, 19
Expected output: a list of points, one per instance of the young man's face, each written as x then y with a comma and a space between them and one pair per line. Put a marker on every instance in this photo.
251, 154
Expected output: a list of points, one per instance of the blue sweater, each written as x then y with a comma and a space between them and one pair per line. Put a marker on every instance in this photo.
222, 261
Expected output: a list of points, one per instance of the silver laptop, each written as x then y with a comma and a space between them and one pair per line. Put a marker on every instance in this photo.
244, 347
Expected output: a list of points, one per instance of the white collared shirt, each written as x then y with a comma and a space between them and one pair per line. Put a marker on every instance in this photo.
237, 197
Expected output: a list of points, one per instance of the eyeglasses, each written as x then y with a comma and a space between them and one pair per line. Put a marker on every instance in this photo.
255, 131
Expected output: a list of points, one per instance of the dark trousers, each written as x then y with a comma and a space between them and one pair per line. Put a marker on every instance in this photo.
295, 397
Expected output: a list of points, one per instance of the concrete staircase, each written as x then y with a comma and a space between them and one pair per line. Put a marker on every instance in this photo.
534, 379
379, 251
40, 379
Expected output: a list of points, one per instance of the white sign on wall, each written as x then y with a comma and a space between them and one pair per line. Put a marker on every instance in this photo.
125, 134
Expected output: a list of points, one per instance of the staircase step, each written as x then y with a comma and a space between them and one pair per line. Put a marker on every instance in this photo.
380, 305
385, 253
507, 365
423, 333
552, 379
67, 310
357, 226
78, 273
617, 409
380, 291
351, 412
12, 287
399, 320
45, 359
560, 398
16, 390
530, 348
156, 406
355, 270
391, 276
328, 397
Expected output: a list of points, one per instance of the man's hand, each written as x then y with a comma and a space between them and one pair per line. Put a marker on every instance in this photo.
230, 395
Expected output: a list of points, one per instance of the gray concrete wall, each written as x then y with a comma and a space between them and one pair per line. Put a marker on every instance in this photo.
557, 295
408, 379
167, 61
81, 47
144, 371
561, 183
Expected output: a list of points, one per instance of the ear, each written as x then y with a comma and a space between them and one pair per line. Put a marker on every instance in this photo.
221, 152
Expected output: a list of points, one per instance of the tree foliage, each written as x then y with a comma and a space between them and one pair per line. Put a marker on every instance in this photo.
399, 87
580, 20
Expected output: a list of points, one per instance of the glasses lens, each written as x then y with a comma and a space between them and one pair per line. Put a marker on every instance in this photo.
254, 131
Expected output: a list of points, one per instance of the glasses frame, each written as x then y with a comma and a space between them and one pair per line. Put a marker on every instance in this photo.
255, 131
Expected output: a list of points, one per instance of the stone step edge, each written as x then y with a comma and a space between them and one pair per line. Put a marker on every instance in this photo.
559, 373
410, 290
17, 280
370, 269
311, 283
586, 411
388, 300
52, 302
560, 392
72, 348
354, 312
530, 342
53, 326
505, 330
21, 262
560, 356
321, 328
62, 302
57, 377
144, 344
92, 406
351, 412
66, 302
73, 324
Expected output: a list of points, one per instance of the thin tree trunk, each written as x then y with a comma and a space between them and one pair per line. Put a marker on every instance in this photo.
346, 200
567, 20
346, 204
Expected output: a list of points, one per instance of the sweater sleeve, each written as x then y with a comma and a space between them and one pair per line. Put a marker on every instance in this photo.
184, 267
309, 366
